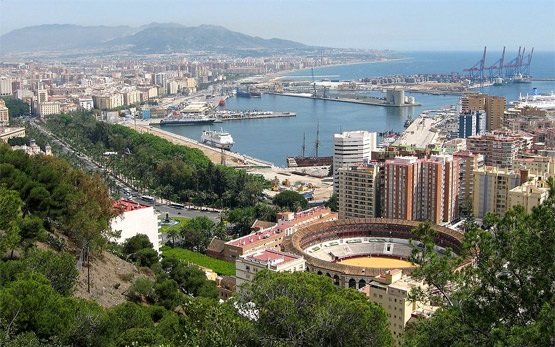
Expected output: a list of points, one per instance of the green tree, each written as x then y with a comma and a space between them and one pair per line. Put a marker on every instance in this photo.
10, 217
507, 297
290, 200
16, 107
197, 232
191, 280
304, 309
140, 250
332, 203
59, 269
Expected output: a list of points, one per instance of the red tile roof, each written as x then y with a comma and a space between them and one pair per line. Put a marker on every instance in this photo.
128, 205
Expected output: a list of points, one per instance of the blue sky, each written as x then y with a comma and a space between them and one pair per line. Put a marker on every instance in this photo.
387, 24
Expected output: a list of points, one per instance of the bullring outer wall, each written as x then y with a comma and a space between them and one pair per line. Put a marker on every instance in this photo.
355, 276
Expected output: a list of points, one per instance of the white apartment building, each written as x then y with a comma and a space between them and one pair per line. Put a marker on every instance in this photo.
48, 108
86, 103
5, 86
248, 265
351, 148
136, 219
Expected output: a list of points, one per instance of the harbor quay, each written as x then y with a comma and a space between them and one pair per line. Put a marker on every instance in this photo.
216, 155
360, 100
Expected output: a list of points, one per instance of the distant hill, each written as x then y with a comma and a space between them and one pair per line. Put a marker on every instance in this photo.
151, 38
59, 37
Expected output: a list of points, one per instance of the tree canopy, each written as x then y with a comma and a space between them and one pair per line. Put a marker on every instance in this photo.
507, 297
304, 309
290, 200
151, 163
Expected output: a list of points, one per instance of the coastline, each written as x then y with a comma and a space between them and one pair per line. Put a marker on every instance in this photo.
279, 75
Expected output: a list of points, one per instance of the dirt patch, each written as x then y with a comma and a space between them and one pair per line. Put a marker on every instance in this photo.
110, 279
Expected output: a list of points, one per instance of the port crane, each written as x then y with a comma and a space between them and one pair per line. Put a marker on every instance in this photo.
476, 72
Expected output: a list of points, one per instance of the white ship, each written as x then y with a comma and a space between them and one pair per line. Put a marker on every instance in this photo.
218, 139
543, 102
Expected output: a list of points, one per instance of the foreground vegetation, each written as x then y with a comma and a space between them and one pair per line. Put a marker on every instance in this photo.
42, 197
219, 266
507, 297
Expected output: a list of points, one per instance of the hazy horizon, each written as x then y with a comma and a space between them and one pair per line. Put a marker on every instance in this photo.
433, 25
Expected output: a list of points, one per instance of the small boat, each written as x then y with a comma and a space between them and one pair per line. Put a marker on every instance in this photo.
221, 103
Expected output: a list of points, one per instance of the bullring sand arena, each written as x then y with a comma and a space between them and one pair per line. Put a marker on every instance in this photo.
377, 262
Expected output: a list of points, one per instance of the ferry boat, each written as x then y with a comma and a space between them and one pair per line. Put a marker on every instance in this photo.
218, 139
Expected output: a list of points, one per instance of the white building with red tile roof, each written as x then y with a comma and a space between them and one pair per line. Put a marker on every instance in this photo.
135, 219
270, 237
248, 265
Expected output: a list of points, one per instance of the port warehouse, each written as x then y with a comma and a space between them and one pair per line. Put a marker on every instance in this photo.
393, 232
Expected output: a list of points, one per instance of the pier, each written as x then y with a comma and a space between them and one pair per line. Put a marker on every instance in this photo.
222, 116
363, 100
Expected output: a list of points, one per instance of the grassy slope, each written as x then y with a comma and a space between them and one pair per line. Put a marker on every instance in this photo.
219, 266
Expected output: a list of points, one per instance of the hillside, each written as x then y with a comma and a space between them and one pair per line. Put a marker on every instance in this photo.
151, 38
59, 37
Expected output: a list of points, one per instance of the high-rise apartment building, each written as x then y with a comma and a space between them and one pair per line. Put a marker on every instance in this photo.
42, 95
493, 105
468, 163
495, 109
161, 79
473, 102
351, 148
421, 189
357, 193
471, 123
437, 191
402, 175
498, 149
491, 190
4, 114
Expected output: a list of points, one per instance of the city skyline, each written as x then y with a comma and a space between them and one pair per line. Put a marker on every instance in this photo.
396, 25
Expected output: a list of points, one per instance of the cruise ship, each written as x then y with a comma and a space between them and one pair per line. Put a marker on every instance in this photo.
541, 101
218, 139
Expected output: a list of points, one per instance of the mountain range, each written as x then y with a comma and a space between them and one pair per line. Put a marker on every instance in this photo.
151, 38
